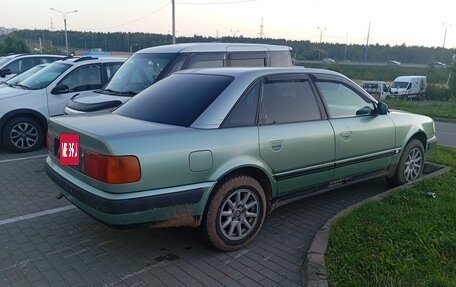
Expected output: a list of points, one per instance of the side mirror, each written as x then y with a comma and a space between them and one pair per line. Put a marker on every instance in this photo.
382, 108
364, 111
60, 89
4, 72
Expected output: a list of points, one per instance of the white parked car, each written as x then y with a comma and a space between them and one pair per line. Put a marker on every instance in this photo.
150, 65
26, 107
12, 65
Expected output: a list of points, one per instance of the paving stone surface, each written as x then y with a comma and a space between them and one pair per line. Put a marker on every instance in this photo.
68, 248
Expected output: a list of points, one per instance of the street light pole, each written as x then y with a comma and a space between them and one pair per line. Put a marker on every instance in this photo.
444, 40
65, 25
174, 20
321, 37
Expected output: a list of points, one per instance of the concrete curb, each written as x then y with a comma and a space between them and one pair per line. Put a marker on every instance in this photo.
314, 270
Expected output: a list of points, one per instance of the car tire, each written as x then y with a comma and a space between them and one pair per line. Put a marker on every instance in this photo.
22, 134
411, 164
235, 214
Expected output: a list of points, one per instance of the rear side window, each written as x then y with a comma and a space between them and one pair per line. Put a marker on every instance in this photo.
244, 114
206, 60
288, 101
176, 100
280, 58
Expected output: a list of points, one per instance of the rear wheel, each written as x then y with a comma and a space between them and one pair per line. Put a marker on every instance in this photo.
235, 214
411, 164
22, 134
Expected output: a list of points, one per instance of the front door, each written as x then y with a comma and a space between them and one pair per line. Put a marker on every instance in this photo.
364, 140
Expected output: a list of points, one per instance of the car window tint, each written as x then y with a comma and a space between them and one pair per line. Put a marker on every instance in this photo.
20, 65
206, 60
341, 100
178, 65
176, 100
83, 79
44, 77
244, 114
280, 58
247, 62
288, 101
206, 64
111, 69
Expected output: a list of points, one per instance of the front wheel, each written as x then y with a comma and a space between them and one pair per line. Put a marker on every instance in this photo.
411, 164
235, 214
22, 134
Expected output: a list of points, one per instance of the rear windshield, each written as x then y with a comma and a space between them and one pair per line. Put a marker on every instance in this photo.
176, 100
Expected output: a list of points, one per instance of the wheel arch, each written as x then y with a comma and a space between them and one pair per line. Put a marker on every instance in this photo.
252, 171
419, 135
37, 116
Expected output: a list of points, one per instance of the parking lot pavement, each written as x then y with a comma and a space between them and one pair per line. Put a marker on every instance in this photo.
45, 241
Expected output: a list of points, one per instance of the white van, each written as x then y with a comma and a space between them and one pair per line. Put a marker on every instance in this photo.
150, 65
409, 87
379, 90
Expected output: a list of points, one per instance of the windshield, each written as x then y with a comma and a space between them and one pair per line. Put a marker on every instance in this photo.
177, 100
43, 78
399, 85
19, 78
139, 72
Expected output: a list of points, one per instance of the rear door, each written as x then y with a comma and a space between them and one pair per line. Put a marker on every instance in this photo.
295, 139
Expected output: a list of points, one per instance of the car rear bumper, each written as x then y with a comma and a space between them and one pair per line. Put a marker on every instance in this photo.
181, 206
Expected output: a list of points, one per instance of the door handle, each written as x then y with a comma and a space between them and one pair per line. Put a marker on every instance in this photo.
346, 135
276, 145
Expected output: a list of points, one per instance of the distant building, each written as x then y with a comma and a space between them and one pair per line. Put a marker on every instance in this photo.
5, 31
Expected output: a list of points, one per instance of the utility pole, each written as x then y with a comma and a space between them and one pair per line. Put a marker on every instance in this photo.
261, 29
174, 20
367, 42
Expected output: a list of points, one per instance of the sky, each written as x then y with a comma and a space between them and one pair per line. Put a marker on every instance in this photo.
393, 22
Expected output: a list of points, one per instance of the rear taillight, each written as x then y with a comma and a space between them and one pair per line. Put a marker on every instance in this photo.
110, 169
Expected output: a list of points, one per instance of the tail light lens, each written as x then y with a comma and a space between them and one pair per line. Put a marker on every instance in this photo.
48, 141
110, 169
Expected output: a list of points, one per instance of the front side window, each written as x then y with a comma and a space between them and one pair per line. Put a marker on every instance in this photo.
83, 79
343, 101
288, 101
43, 78
176, 100
21, 65
139, 72
111, 69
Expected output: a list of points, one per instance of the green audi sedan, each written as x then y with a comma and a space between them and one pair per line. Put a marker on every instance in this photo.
221, 148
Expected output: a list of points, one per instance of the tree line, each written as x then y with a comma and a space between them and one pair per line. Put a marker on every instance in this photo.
54, 41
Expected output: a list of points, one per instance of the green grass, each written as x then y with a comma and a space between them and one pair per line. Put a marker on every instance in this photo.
406, 239
438, 109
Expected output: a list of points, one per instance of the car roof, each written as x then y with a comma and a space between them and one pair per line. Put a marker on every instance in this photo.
89, 59
213, 47
259, 71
